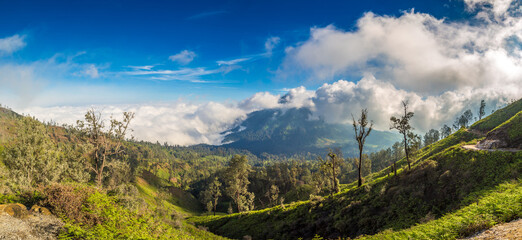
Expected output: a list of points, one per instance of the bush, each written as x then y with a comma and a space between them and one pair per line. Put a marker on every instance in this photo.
68, 202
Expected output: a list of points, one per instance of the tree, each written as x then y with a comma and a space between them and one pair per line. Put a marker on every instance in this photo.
105, 144
445, 131
236, 175
397, 154
361, 132
211, 195
402, 124
33, 159
463, 120
331, 167
273, 195
482, 109
414, 143
431, 136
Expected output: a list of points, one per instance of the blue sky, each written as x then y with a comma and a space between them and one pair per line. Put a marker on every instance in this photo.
192, 69
113, 35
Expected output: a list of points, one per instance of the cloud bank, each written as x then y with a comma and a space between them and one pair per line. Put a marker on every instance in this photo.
418, 52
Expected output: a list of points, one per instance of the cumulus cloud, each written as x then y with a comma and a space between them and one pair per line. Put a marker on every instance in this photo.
414, 51
11, 44
495, 8
184, 57
336, 103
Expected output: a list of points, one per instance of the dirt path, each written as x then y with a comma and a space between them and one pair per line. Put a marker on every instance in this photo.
505, 231
475, 148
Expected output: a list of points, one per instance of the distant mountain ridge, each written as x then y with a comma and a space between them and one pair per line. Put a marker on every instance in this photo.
291, 131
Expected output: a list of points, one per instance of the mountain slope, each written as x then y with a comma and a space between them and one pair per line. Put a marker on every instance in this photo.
446, 180
291, 131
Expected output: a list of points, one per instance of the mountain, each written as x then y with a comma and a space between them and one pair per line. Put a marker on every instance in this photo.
291, 131
450, 192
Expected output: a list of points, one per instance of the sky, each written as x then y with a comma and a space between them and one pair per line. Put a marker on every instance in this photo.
192, 69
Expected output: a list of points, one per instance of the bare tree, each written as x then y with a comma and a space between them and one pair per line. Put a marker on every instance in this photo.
105, 144
402, 124
361, 132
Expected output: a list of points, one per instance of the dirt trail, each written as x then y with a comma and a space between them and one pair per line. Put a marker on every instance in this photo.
505, 231
475, 148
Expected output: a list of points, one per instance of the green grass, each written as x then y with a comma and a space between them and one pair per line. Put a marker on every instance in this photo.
498, 117
118, 222
502, 204
513, 127
185, 206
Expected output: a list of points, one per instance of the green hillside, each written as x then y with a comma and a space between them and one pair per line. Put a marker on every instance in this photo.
450, 192
138, 199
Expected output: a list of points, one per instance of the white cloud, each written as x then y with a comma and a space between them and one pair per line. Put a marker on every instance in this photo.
415, 52
184, 57
187, 123
146, 67
180, 123
336, 102
90, 70
271, 43
11, 44
497, 8
183, 74
233, 61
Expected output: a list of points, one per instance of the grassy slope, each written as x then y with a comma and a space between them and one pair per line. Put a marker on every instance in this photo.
444, 179
501, 204
178, 200
512, 127
490, 122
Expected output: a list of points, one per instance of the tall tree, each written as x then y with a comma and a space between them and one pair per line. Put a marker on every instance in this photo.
361, 132
397, 154
463, 120
273, 195
431, 136
211, 195
414, 143
331, 167
445, 131
482, 109
236, 175
105, 144
402, 124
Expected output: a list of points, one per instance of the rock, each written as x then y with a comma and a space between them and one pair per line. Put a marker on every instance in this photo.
41, 210
491, 144
15, 210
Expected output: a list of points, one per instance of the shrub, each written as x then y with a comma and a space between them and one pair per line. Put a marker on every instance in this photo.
68, 202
